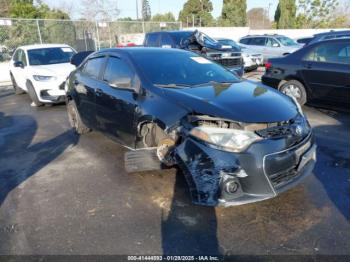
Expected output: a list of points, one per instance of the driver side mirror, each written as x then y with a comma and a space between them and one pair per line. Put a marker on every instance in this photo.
123, 83
275, 45
18, 64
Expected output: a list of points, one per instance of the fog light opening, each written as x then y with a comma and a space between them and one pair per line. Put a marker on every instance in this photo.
231, 187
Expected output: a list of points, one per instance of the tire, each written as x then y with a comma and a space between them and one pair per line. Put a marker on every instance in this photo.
75, 120
32, 94
294, 88
18, 91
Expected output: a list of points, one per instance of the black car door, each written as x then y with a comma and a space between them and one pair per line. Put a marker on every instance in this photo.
85, 82
116, 101
326, 71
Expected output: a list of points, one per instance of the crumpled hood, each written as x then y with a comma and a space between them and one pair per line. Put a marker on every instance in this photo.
245, 101
205, 41
58, 70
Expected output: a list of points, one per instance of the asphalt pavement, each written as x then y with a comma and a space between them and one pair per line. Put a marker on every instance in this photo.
65, 194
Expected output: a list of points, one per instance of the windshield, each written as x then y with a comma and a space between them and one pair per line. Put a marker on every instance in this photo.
228, 42
48, 56
181, 69
286, 41
181, 36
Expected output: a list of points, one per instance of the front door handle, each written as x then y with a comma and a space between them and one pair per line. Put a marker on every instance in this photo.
98, 91
308, 66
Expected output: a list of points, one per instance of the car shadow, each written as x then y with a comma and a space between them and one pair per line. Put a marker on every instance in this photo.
21, 158
333, 164
188, 229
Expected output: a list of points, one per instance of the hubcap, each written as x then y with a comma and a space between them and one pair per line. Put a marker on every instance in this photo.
293, 91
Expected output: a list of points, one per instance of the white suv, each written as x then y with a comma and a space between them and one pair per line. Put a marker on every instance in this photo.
41, 71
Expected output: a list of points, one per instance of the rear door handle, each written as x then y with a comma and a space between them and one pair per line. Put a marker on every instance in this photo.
98, 91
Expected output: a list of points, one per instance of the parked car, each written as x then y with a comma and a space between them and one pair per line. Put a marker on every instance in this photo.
270, 45
236, 141
304, 41
200, 43
318, 73
329, 35
251, 59
41, 71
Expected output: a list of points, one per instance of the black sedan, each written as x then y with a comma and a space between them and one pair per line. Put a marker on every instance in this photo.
236, 142
318, 73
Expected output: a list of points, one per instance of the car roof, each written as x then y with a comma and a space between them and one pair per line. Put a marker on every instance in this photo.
219, 38
139, 50
340, 40
173, 32
40, 46
333, 33
265, 35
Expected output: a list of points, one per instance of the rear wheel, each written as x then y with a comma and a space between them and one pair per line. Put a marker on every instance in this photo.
32, 94
18, 90
75, 120
294, 88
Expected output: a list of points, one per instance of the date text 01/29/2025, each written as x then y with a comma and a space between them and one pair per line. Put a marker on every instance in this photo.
173, 258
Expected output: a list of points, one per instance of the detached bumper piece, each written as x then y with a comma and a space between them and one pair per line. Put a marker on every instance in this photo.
220, 178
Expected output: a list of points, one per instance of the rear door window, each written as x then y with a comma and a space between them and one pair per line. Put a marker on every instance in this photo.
338, 53
244, 41
259, 41
152, 40
93, 66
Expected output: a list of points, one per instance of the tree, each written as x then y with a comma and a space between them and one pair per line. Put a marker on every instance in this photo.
23, 9
234, 13
198, 11
4, 8
146, 10
100, 10
285, 15
258, 18
319, 14
167, 17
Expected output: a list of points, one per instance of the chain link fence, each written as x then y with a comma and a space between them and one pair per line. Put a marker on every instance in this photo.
83, 35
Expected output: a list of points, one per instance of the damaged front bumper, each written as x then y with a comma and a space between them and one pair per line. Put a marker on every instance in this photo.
265, 169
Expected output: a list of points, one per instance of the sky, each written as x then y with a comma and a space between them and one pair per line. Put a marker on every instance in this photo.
128, 7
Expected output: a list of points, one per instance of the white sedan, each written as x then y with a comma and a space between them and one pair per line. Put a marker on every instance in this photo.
41, 71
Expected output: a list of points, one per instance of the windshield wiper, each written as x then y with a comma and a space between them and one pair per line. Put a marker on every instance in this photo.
217, 83
172, 85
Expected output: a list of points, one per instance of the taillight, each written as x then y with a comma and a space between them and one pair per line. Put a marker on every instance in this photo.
268, 65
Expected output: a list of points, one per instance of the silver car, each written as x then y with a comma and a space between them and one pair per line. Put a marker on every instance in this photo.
270, 45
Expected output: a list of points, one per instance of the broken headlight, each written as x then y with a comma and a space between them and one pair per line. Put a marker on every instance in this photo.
232, 140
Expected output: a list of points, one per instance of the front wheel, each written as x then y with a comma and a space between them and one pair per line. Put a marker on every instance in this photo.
18, 90
75, 120
295, 89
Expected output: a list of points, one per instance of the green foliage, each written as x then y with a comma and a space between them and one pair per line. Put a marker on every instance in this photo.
200, 10
319, 14
167, 17
146, 10
234, 13
23, 32
285, 15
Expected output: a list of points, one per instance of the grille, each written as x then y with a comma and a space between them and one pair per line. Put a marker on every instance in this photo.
229, 62
280, 179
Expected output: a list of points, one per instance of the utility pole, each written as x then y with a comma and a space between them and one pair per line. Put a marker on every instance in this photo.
192, 20
137, 10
